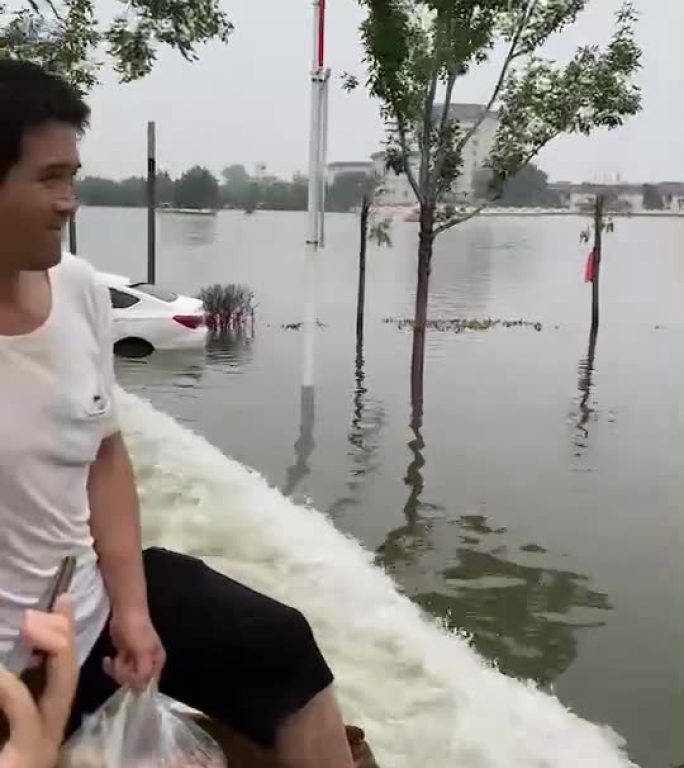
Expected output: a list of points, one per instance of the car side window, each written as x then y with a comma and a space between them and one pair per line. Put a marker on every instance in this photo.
122, 300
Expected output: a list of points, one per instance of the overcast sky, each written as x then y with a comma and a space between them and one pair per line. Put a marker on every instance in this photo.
248, 102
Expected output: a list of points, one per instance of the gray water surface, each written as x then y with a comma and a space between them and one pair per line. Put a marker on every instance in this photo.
539, 508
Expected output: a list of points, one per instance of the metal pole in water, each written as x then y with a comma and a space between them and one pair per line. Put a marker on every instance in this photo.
319, 77
597, 255
151, 203
361, 297
325, 97
72, 234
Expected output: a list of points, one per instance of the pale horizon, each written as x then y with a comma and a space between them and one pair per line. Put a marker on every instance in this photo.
248, 102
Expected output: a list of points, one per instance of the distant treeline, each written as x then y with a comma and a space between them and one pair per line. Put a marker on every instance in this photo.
199, 188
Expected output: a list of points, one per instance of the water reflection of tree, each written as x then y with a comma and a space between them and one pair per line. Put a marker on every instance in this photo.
367, 420
305, 444
414, 475
585, 386
405, 544
182, 370
188, 230
232, 348
519, 616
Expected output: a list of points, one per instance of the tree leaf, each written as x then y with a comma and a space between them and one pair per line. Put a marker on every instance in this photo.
67, 37
414, 46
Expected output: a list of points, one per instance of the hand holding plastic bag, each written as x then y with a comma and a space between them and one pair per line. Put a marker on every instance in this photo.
140, 731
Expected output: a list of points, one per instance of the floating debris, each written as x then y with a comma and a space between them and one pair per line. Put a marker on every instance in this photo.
536, 548
299, 326
461, 324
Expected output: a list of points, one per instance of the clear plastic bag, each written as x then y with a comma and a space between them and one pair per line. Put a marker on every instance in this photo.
140, 731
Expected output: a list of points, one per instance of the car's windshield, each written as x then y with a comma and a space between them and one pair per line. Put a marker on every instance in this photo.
156, 292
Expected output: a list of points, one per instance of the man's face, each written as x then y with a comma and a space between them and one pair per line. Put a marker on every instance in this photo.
37, 198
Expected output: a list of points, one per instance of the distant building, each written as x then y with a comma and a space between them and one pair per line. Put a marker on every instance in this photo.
397, 189
360, 166
672, 193
619, 197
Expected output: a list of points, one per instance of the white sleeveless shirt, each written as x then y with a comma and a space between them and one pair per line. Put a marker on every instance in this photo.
56, 406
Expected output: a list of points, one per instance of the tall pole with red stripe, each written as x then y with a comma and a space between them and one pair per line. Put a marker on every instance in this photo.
320, 77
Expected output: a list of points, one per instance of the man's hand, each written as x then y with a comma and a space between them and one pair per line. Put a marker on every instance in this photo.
140, 655
37, 730
115, 524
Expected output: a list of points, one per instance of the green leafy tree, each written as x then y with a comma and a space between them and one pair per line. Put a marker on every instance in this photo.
93, 190
653, 200
528, 188
236, 178
348, 190
197, 188
417, 50
279, 195
165, 188
68, 38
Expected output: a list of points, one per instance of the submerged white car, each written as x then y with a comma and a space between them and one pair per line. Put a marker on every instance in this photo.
149, 318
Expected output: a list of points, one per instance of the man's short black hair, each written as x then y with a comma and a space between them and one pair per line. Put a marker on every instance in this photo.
30, 97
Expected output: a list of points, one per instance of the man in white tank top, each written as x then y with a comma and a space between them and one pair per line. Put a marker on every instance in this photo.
67, 485
65, 476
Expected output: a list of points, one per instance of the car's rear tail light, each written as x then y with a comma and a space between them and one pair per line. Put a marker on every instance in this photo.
190, 321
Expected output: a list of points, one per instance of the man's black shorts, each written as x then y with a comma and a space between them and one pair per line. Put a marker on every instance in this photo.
233, 654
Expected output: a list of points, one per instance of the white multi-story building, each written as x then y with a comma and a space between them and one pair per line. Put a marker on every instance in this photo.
396, 189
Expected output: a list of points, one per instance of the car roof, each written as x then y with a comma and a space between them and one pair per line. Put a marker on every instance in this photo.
180, 303
115, 281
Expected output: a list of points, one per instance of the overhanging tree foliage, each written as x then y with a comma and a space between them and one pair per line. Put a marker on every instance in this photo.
417, 51
68, 38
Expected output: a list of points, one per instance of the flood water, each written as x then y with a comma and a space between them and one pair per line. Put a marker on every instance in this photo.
539, 507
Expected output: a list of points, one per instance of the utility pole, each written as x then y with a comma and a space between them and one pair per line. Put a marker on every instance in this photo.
151, 203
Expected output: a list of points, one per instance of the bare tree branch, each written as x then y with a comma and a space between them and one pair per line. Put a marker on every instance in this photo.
512, 54
406, 158
456, 220
460, 219
53, 8
36, 8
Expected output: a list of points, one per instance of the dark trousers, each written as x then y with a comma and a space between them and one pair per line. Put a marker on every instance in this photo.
233, 654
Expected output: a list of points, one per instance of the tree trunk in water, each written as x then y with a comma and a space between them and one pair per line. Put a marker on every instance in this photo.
598, 248
427, 214
361, 300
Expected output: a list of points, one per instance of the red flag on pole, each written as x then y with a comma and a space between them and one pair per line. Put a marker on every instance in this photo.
321, 33
590, 270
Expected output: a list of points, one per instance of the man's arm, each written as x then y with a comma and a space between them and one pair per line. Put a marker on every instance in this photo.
115, 525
